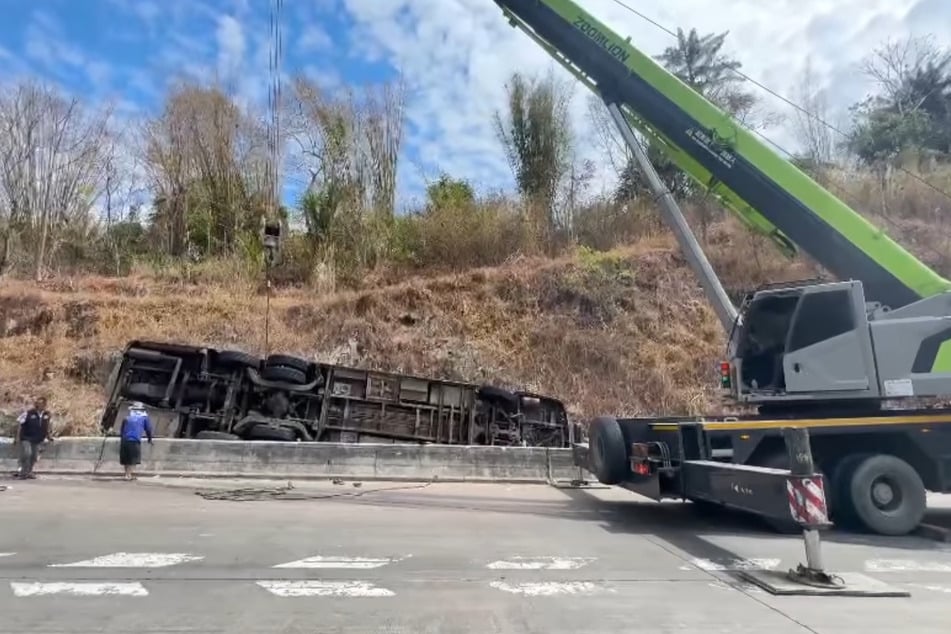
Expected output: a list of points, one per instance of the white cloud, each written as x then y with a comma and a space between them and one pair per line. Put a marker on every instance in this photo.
314, 38
231, 44
457, 54
46, 44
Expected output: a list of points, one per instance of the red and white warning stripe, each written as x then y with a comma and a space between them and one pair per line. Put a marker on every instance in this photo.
807, 500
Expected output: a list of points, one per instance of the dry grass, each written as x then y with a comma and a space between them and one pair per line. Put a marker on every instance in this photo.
623, 331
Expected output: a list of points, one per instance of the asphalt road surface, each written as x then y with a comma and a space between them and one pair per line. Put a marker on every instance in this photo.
152, 556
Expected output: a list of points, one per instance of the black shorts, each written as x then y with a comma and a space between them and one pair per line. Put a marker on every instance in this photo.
130, 452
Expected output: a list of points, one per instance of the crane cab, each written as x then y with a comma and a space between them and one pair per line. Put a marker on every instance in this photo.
806, 342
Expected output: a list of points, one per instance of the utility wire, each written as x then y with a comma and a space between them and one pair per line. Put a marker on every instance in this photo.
782, 98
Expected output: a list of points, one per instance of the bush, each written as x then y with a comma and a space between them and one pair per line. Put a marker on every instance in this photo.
468, 234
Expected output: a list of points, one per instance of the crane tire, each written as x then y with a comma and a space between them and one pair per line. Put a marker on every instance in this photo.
608, 452
887, 494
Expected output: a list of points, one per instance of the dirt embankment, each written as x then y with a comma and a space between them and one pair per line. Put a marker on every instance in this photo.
626, 331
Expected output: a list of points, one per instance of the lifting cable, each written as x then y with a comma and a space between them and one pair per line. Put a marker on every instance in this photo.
272, 169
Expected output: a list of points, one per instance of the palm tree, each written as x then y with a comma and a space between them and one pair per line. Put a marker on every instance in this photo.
699, 62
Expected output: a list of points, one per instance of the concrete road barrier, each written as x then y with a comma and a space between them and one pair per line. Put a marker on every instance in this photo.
217, 458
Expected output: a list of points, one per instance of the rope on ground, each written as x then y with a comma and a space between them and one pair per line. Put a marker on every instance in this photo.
286, 492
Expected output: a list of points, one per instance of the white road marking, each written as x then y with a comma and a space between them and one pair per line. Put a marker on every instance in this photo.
931, 587
905, 565
133, 560
732, 564
7, 554
325, 589
85, 589
541, 563
749, 588
362, 563
550, 588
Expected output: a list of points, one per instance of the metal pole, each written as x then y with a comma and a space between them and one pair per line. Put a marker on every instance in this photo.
267, 301
670, 211
801, 465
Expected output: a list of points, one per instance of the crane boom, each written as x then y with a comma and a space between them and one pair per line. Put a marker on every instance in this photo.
767, 192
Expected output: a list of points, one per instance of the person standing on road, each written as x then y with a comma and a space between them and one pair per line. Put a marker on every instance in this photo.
134, 426
33, 429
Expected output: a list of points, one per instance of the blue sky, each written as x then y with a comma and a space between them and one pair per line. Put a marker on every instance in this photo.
126, 51
455, 56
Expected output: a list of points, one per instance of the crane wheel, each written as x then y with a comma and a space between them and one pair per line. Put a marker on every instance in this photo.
608, 450
843, 513
887, 495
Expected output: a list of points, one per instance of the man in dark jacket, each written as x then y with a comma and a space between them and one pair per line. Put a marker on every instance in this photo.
33, 429
134, 426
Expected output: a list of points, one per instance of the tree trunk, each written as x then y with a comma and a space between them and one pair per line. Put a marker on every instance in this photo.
41, 246
5, 252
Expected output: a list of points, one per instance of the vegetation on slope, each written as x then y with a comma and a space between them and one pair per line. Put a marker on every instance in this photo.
597, 329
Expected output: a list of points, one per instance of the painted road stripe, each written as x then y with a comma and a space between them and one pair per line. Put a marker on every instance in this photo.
719, 565
930, 587
7, 554
905, 565
325, 589
133, 560
362, 563
85, 589
741, 586
551, 588
541, 563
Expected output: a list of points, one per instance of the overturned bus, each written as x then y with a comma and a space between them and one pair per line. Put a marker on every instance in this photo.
196, 392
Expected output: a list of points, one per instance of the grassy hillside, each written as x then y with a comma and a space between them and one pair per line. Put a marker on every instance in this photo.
625, 330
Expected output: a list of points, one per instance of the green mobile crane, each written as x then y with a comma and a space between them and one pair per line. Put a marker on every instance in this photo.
826, 356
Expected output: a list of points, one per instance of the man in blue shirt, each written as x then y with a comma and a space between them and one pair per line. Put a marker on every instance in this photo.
130, 438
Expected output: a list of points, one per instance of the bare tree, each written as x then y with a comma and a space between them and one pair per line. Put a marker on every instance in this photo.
123, 195
811, 123
535, 132
347, 144
606, 136
382, 123
897, 64
164, 142
324, 133
205, 157
52, 167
